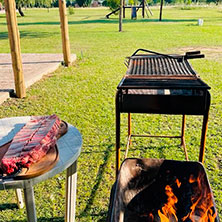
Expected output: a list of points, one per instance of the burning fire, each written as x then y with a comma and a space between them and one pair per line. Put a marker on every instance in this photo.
202, 204
169, 210
178, 183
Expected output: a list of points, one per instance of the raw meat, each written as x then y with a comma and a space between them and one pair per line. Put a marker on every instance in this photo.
31, 143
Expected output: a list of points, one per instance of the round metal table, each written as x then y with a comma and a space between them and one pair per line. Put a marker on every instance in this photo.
69, 147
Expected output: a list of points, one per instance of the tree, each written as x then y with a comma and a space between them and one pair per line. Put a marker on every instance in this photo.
214, 1
25, 3
83, 3
20, 4
113, 4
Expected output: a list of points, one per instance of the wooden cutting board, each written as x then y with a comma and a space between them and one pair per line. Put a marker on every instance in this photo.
43, 165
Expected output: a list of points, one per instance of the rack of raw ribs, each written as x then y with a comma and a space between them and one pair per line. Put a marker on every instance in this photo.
31, 144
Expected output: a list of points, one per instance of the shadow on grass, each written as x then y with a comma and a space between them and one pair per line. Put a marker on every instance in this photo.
102, 215
97, 146
58, 219
25, 63
9, 206
105, 21
43, 219
159, 149
107, 154
25, 34
99, 177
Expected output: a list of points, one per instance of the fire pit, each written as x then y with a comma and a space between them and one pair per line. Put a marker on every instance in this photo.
154, 190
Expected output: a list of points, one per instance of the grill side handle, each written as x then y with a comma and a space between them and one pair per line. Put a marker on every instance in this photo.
180, 58
193, 53
199, 56
190, 56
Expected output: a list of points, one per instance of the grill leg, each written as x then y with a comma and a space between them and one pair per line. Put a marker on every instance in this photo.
204, 128
183, 131
129, 142
117, 134
183, 144
203, 137
129, 128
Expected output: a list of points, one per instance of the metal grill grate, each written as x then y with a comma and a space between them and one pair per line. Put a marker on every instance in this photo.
159, 65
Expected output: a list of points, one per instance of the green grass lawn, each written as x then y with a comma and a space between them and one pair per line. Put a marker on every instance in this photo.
84, 95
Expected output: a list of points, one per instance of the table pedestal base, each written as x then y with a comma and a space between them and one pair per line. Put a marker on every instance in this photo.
30, 204
71, 184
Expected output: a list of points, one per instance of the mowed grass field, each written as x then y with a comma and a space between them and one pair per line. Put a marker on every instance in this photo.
84, 95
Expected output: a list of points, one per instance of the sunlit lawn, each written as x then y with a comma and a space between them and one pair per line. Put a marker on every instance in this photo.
84, 96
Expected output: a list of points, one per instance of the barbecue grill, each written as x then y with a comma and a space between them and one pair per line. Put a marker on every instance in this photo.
152, 190
162, 84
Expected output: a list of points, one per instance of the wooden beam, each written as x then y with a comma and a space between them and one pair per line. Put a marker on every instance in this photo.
161, 9
14, 40
64, 32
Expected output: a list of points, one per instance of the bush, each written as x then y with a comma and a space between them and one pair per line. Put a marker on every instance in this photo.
188, 7
71, 10
188, 2
68, 3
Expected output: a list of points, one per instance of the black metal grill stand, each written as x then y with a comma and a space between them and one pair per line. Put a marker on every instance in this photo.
162, 84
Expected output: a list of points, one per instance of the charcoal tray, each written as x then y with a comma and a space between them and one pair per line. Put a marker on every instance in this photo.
139, 189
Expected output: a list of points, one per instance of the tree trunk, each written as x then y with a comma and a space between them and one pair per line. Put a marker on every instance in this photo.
20, 11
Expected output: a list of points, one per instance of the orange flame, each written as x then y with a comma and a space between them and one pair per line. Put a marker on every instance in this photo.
169, 210
150, 217
202, 203
178, 183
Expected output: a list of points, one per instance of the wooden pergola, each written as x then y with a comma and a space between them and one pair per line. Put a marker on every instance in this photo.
14, 40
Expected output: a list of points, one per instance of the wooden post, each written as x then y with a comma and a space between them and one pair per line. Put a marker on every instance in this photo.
14, 40
120, 16
64, 32
143, 8
124, 11
161, 9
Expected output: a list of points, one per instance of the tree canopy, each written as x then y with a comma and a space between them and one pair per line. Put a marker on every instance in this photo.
30, 3
112, 4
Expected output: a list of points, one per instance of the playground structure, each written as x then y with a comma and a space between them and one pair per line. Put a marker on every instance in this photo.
143, 5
